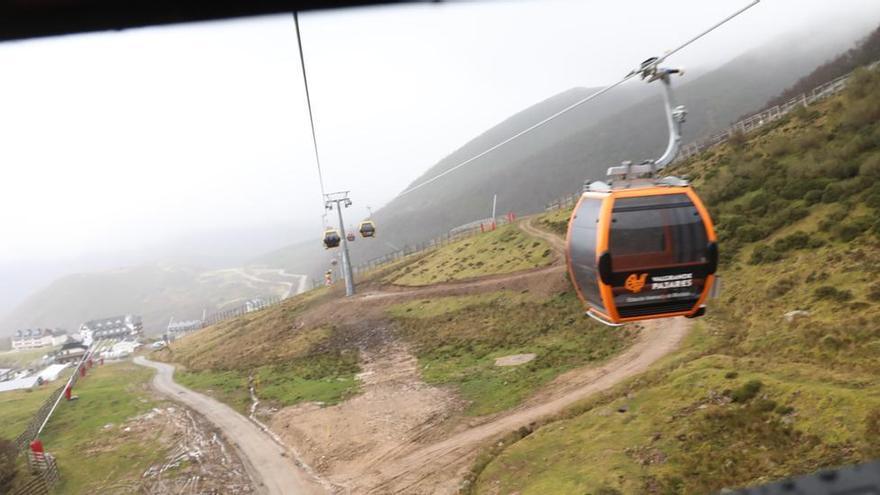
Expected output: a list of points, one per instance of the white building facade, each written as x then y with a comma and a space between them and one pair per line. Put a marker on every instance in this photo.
124, 327
35, 338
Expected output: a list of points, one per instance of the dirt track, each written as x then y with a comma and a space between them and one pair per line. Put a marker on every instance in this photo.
438, 467
417, 450
267, 462
401, 435
556, 242
489, 283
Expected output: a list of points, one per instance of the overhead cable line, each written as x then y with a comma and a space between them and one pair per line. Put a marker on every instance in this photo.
520, 133
654, 62
704, 33
309, 102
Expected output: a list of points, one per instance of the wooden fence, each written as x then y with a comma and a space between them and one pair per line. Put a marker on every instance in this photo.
30, 432
455, 234
36, 485
769, 115
44, 465
44, 475
255, 305
43, 469
567, 201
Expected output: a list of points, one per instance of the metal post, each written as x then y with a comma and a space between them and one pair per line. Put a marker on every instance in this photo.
346, 261
494, 202
67, 386
341, 200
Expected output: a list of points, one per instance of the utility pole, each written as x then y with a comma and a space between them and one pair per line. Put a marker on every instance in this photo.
494, 202
340, 199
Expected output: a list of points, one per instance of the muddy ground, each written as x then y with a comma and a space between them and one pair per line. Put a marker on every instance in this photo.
198, 459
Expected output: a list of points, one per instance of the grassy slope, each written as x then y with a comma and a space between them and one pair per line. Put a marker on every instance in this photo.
556, 221
458, 338
504, 250
18, 407
694, 424
76, 436
23, 359
288, 364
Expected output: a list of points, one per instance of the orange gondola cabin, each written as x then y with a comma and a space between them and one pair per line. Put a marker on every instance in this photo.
642, 252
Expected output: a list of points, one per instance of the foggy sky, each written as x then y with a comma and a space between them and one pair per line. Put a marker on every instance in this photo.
129, 140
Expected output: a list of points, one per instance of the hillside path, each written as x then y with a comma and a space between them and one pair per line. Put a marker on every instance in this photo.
300, 284
556, 242
489, 282
266, 461
437, 467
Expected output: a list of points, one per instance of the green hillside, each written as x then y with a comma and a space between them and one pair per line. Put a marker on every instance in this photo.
505, 250
781, 377
18, 407
287, 362
457, 340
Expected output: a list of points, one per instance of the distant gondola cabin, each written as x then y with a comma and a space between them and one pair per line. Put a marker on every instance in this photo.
331, 239
367, 228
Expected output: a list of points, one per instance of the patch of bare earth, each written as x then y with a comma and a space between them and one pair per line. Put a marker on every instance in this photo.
200, 460
197, 459
438, 466
515, 359
404, 436
395, 408
556, 243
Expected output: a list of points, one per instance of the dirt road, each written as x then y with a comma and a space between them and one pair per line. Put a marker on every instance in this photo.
431, 455
556, 242
437, 467
303, 280
279, 274
268, 463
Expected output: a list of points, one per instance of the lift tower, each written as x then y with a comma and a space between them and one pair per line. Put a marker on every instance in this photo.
340, 199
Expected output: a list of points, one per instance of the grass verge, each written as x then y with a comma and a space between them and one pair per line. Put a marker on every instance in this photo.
89, 456
315, 379
556, 221
287, 362
457, 340
19, 406
505, 250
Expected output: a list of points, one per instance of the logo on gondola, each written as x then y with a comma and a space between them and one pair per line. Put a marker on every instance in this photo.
635, 283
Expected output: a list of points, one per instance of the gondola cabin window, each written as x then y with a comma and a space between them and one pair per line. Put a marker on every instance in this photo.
656, 232
584, 234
